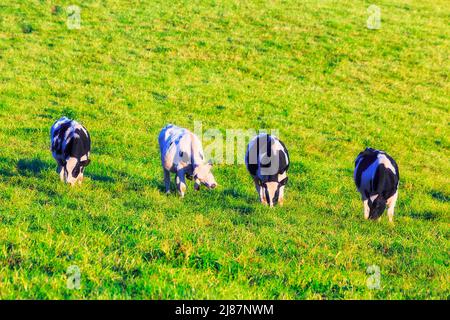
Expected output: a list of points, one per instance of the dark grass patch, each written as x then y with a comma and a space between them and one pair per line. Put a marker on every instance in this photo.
69, 113
13, 258
100, 178
90, 100
327, 290
231, 270
24, 131
27, 28
266, 251
263, 277
220, 107
138, 204
204, 260
6, 173
55, 114
159, 49
440, 196
14, 261
6, 219
100, 222
153, 254
242, 209
427, 215
34, 224
332, 63
159, 96
128, 229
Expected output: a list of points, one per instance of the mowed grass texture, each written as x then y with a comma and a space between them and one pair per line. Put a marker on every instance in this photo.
310, 69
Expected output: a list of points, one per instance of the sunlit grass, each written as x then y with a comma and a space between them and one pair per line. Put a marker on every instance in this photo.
310, 69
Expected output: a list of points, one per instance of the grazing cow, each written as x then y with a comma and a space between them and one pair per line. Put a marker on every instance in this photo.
376, 177
182, 154
71, 148
267, 160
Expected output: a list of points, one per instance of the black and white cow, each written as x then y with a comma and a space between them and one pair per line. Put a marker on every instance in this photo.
71, 148
267, 160
182, 154
376, 177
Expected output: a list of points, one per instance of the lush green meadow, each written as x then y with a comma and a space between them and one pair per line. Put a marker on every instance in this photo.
311, 69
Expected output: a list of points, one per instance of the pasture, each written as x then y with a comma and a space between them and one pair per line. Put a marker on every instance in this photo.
311, 69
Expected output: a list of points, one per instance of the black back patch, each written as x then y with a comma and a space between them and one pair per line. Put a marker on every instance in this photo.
384, 181
259, 158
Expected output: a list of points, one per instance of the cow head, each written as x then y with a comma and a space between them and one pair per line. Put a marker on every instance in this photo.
72, 171
271, 190
203, 175
377, 205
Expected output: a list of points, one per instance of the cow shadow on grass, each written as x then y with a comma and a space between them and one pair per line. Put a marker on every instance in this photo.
6, 167
238, 200
26, 170
6, 173
32, 167
23, 167
228, 198
100, 177
425, 215
439, 196
109, 176
97, 173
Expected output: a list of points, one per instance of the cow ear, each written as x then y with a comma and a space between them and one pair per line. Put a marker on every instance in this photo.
284, 181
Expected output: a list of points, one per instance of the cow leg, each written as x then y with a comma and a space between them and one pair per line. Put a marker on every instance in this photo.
281, 196
181, 182
366, 209
167, 180
197, 185
260, 190
61, 171
80, 178
391, 205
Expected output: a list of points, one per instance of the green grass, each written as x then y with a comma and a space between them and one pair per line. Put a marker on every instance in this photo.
308, 68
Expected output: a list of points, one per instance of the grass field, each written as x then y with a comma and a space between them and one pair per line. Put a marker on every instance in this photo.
311, 69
